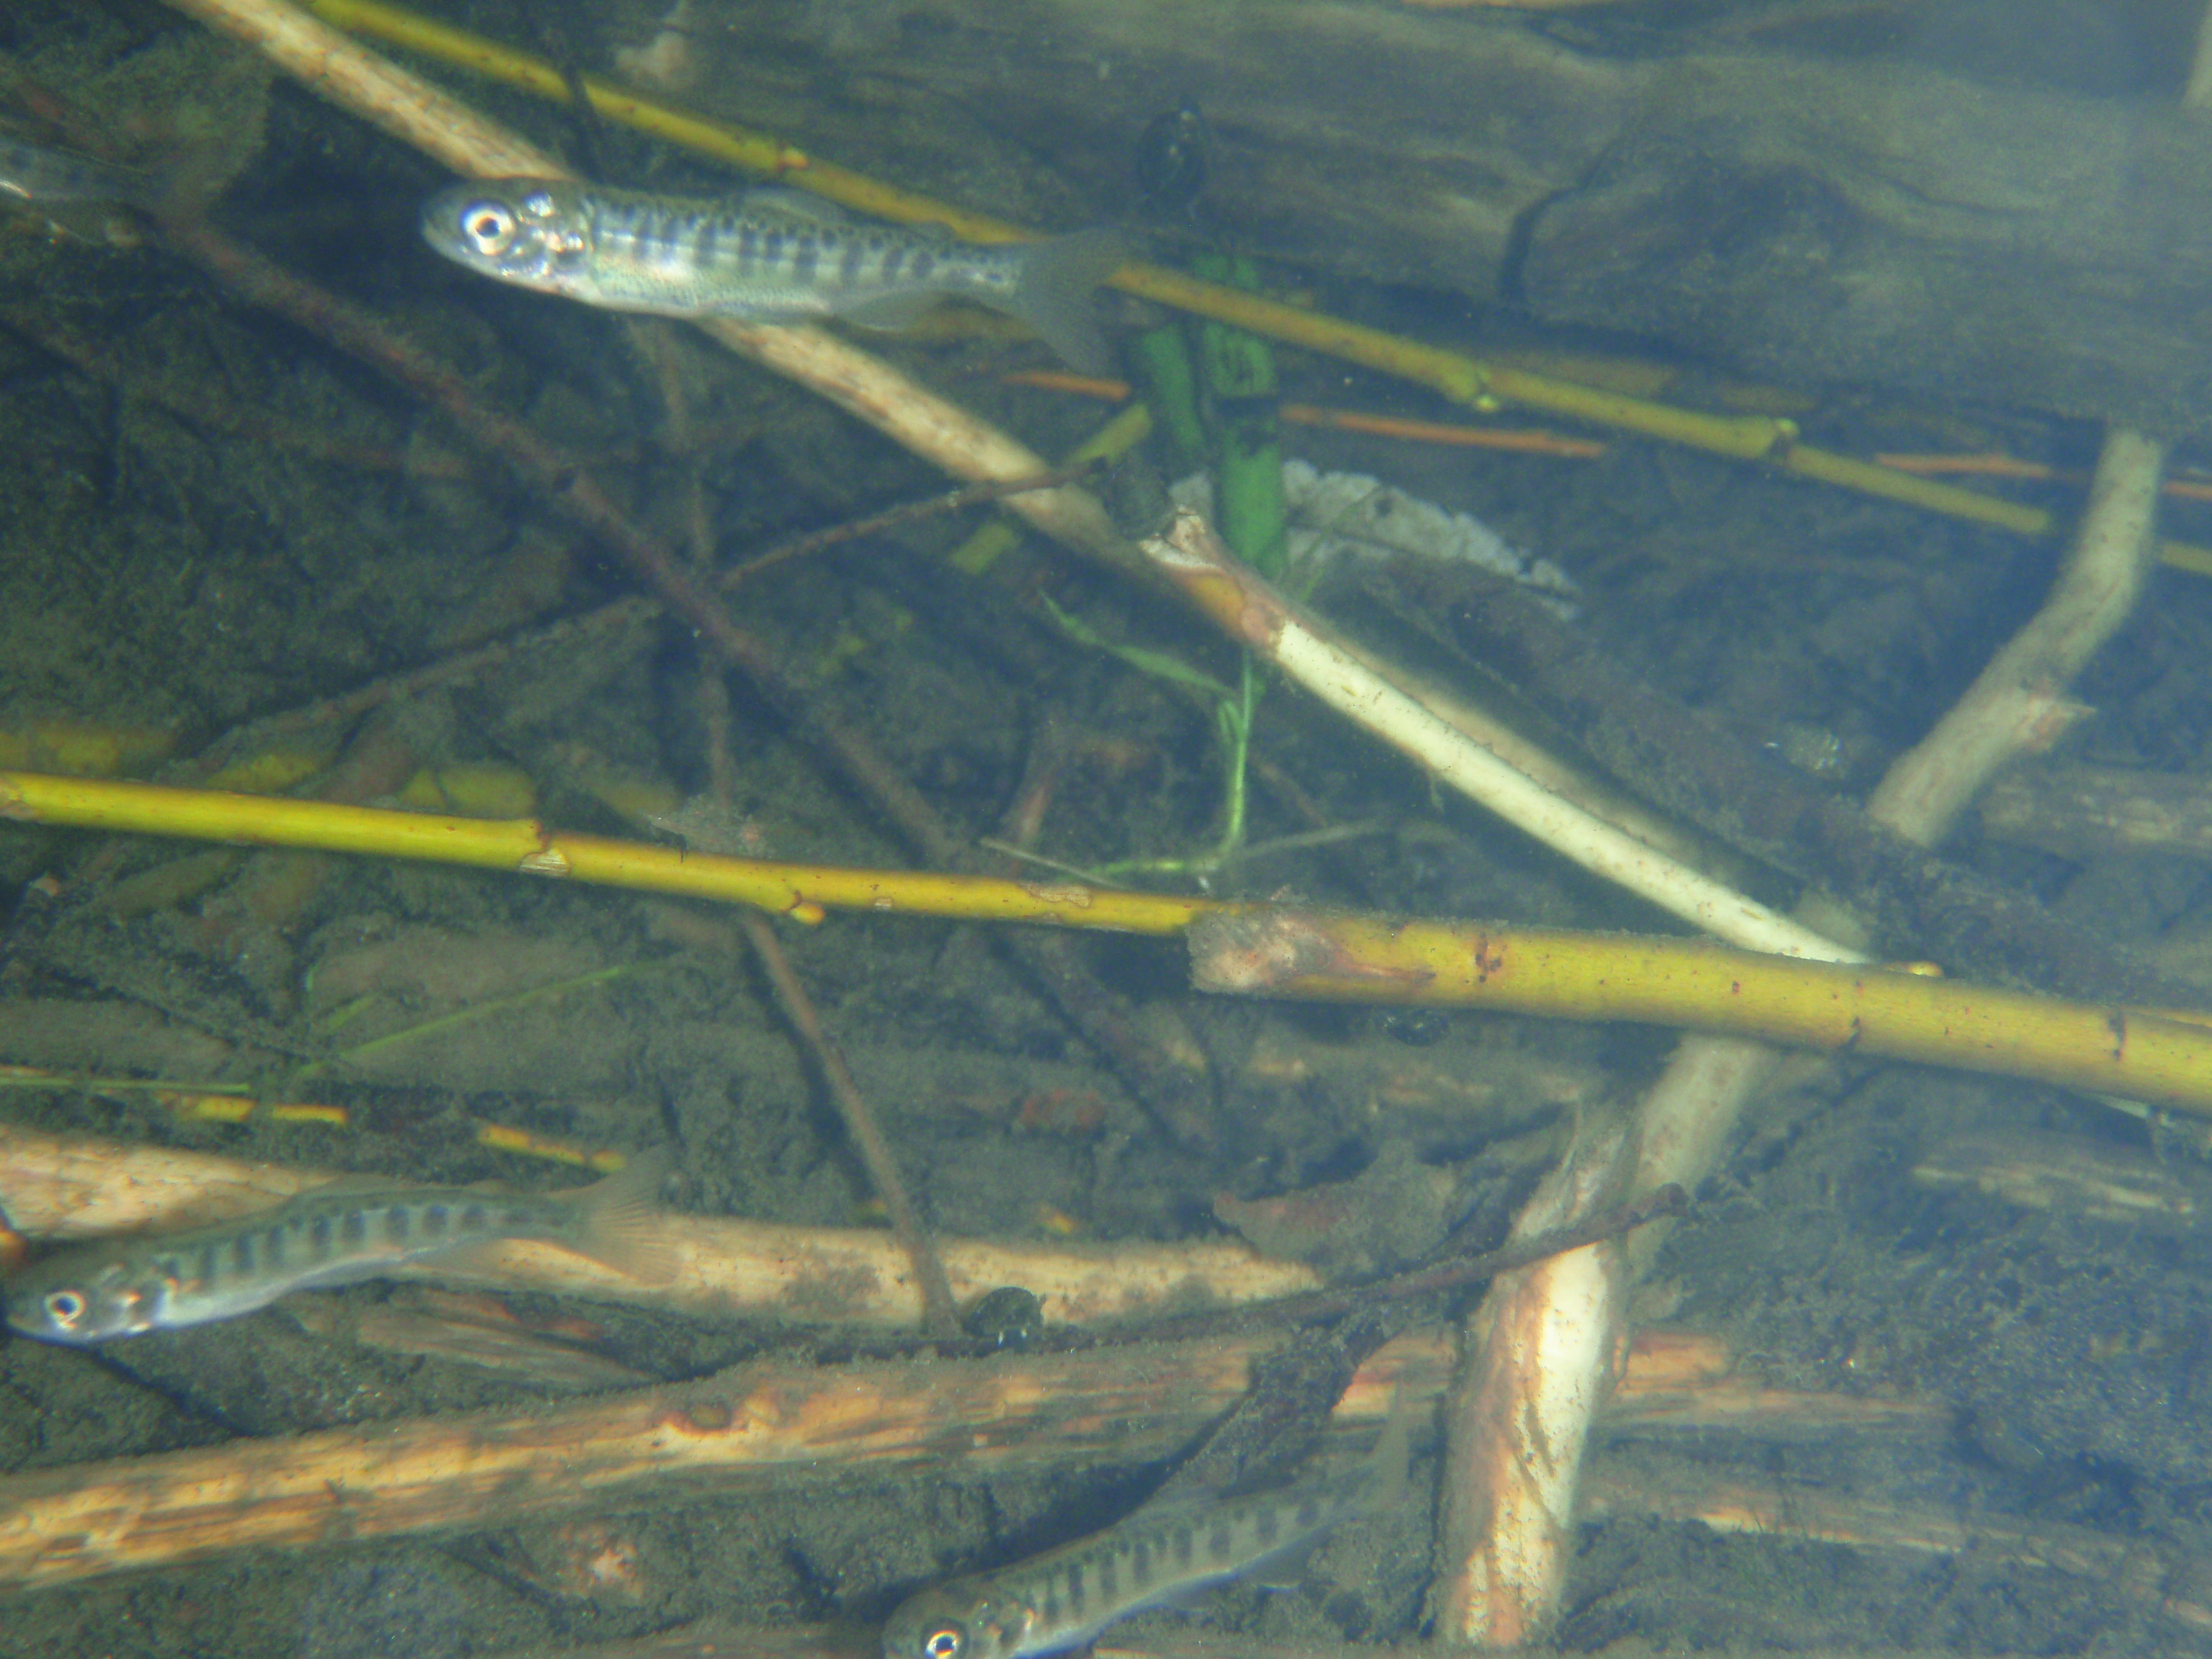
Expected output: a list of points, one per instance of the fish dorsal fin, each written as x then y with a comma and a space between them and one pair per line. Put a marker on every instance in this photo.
780, 201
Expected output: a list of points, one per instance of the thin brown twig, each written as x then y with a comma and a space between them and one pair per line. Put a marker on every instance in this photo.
629, 611
460, 665
892, 517
1315, 1307
1610, 1223
50, 335
940, 1316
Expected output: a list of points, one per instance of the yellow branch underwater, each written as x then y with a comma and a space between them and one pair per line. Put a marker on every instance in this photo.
1839, 1007
2159, 1058
526, 847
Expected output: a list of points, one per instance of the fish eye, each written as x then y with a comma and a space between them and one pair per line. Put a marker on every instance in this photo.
488, 226
945, 1642
66, 1308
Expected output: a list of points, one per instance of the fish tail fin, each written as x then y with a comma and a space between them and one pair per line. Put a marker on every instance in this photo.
1053, 295
618, 1219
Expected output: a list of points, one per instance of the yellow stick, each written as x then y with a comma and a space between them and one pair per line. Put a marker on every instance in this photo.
525, 847
2160, 1058
1836, 1006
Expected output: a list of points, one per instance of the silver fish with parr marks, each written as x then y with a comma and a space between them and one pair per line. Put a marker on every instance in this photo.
1168, 1552
766, 257
336, 1235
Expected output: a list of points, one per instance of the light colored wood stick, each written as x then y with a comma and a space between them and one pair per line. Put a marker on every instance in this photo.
1511, 1493
60, 1187
2097, 811
741, 1430
776, 1424
2018, 703
1309, 652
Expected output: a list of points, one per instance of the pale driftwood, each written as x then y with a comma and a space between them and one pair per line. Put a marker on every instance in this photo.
2070, 1175
2018, 705
1816, 219
758, 1426
2160, 1581
2092, 811
742, 1430
63, 1187
1514, 1460
1241, 603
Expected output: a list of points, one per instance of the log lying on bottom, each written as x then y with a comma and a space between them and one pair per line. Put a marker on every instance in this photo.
761, 1424
2101, 811
740, 1430
1818, 219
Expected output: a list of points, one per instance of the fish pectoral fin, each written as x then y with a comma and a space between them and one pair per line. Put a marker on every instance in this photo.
889, 310
1285, 1569
1189, 1599
472, 1259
